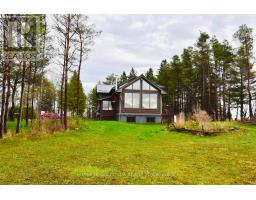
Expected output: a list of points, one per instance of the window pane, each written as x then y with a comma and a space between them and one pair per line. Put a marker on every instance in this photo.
152, 88
145, 85
136, 85
129, 87
145, 100
131, 119
105, 105
153, 101
136, 100
110, 105
150, 119
128, 100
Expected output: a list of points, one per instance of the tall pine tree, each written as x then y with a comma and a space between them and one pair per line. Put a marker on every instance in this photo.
132, 74
72, 96
150, 75
245, 36
122, 78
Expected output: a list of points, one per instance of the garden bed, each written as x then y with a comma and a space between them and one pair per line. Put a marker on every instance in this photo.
204, 132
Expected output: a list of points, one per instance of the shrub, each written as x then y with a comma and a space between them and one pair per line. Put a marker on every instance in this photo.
180, 121
202, 118
74, 123
41, 126
31, 114
46, 126
191, 125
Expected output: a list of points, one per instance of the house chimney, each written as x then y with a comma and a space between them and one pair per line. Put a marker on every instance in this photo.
116, 81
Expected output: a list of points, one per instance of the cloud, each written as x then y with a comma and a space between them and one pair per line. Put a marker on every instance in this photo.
142, 41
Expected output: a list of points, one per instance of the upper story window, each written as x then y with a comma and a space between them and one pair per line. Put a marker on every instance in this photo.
107, 105
146, 86
143, 91
134, 86
132, 100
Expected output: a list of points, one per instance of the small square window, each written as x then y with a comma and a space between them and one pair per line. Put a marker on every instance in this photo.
131, 119
150, 120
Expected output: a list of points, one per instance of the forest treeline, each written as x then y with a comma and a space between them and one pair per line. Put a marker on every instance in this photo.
31, 50
211, 75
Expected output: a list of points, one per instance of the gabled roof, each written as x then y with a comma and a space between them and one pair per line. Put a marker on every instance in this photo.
102, 88
128, 82
106, 89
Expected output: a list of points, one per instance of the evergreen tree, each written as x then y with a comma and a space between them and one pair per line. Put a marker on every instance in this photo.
175, 85
164, 78
204, 72
110, 79
245, 36
188, 78
48, 96
92, 101
72, 96
150, 75
241, 69
224, 76
122, 78
132, 74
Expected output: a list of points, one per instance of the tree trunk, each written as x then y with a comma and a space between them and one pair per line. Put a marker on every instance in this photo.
209, 90
66, 72
61, 93
3, 101
62, 86
28, 93
241, 95
250, 100
32, 95
14, 89
27, 104
229, 106
21, 97
7, 97
248, 82
65, 98
78, 73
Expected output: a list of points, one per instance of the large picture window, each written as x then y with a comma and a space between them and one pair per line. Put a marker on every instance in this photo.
131, 100
107, 105
149, 101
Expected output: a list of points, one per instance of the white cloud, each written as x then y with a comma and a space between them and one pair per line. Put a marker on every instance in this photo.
136, 25
142, 41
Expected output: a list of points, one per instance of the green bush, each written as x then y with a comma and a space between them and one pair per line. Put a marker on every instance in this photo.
75, 123
31, 114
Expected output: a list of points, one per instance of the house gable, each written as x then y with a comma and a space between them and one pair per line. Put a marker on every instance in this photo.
144, 83
140, 96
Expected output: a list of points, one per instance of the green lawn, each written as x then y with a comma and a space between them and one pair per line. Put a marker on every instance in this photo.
105, 152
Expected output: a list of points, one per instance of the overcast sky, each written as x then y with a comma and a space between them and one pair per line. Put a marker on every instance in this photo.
142, 41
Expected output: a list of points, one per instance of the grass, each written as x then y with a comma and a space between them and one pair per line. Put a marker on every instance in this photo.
106, 152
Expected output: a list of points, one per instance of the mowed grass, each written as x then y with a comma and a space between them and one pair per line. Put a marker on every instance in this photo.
107, 152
